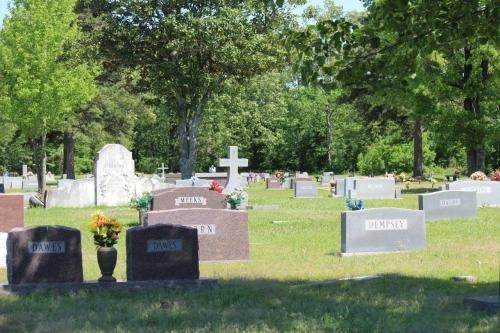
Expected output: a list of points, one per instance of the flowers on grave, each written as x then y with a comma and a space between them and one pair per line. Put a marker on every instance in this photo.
216, 186
280, 175
495, 175
143, 202
235, 198
354, 205
478, 175
105, 229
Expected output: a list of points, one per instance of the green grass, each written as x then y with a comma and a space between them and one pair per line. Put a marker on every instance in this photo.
290, 283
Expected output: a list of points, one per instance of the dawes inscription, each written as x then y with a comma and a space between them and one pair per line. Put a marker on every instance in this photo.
164, 245
46, 247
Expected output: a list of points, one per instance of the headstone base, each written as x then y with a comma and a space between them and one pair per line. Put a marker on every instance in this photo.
485, 303
352, 254
29, 288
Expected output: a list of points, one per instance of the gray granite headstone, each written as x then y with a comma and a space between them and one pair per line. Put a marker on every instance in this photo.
488, 192
30, 185
340, 187
348, 185
374, 188
162, 252
44, 254
448, 205
382, 230
306, 189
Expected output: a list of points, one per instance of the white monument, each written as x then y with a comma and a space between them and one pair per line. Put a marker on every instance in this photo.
233, 162
114, 174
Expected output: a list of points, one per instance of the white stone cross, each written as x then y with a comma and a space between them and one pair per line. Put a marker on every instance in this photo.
233, 162
163, 168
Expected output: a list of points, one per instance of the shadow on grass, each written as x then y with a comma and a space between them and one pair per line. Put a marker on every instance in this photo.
392, 303
419, 190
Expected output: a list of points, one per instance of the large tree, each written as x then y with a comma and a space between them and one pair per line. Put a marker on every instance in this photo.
186, 50
42, 86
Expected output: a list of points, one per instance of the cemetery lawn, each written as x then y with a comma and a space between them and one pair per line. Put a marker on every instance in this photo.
291, 283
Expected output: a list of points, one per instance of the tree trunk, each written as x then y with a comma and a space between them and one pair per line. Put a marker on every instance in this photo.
69, 155
188, 132
418, 151
38, 146
329, 139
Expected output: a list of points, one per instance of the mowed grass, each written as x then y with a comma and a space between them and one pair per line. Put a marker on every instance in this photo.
291, 283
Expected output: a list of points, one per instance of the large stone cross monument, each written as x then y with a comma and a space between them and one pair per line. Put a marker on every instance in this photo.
233, 162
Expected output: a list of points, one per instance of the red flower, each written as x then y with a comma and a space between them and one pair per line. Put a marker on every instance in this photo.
215, 186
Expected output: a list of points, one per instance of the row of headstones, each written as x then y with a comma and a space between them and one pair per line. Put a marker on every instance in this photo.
53, 254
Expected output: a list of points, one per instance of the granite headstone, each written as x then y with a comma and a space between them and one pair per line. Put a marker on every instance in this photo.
374, 188
306, 189
11, 216
188, 197
488, 192
273, 184
448, 205
222, 233
162, 252
44, 254
382, 230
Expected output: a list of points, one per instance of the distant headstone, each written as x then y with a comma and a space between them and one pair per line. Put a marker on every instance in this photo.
326, 178
2, 188
11, 211
114, 175
382, 230
30, 185
340, 187
488, 192
162, 252
374, 188
193, 183
306, 189
233, 163
72, 193
448, 205
188, 197
222, 233
273, 183
44, 254
25, 170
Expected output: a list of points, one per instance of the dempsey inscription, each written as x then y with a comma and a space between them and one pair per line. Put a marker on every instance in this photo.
386, 224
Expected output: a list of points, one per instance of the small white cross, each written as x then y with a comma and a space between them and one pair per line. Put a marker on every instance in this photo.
163, 168
233, 162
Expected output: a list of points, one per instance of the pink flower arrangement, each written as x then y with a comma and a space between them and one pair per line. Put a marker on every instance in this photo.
216, 186
495, 175
478, 175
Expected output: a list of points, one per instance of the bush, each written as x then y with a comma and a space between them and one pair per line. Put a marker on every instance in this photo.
386, 155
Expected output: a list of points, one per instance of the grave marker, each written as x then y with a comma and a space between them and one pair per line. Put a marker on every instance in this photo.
448, 205
44, 254
162, 252
306, 189
382, 230
233, 163
188, 197
488, 192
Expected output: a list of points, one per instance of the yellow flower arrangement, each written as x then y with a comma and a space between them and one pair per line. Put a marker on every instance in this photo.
105, 230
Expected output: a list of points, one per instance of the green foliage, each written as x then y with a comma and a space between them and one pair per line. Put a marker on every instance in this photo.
386, 155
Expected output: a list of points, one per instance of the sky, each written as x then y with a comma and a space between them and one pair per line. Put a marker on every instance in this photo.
346, 4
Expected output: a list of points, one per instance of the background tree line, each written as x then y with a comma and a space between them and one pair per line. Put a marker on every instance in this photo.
402, 87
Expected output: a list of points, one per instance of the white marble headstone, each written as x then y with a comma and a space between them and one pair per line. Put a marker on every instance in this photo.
114, 173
